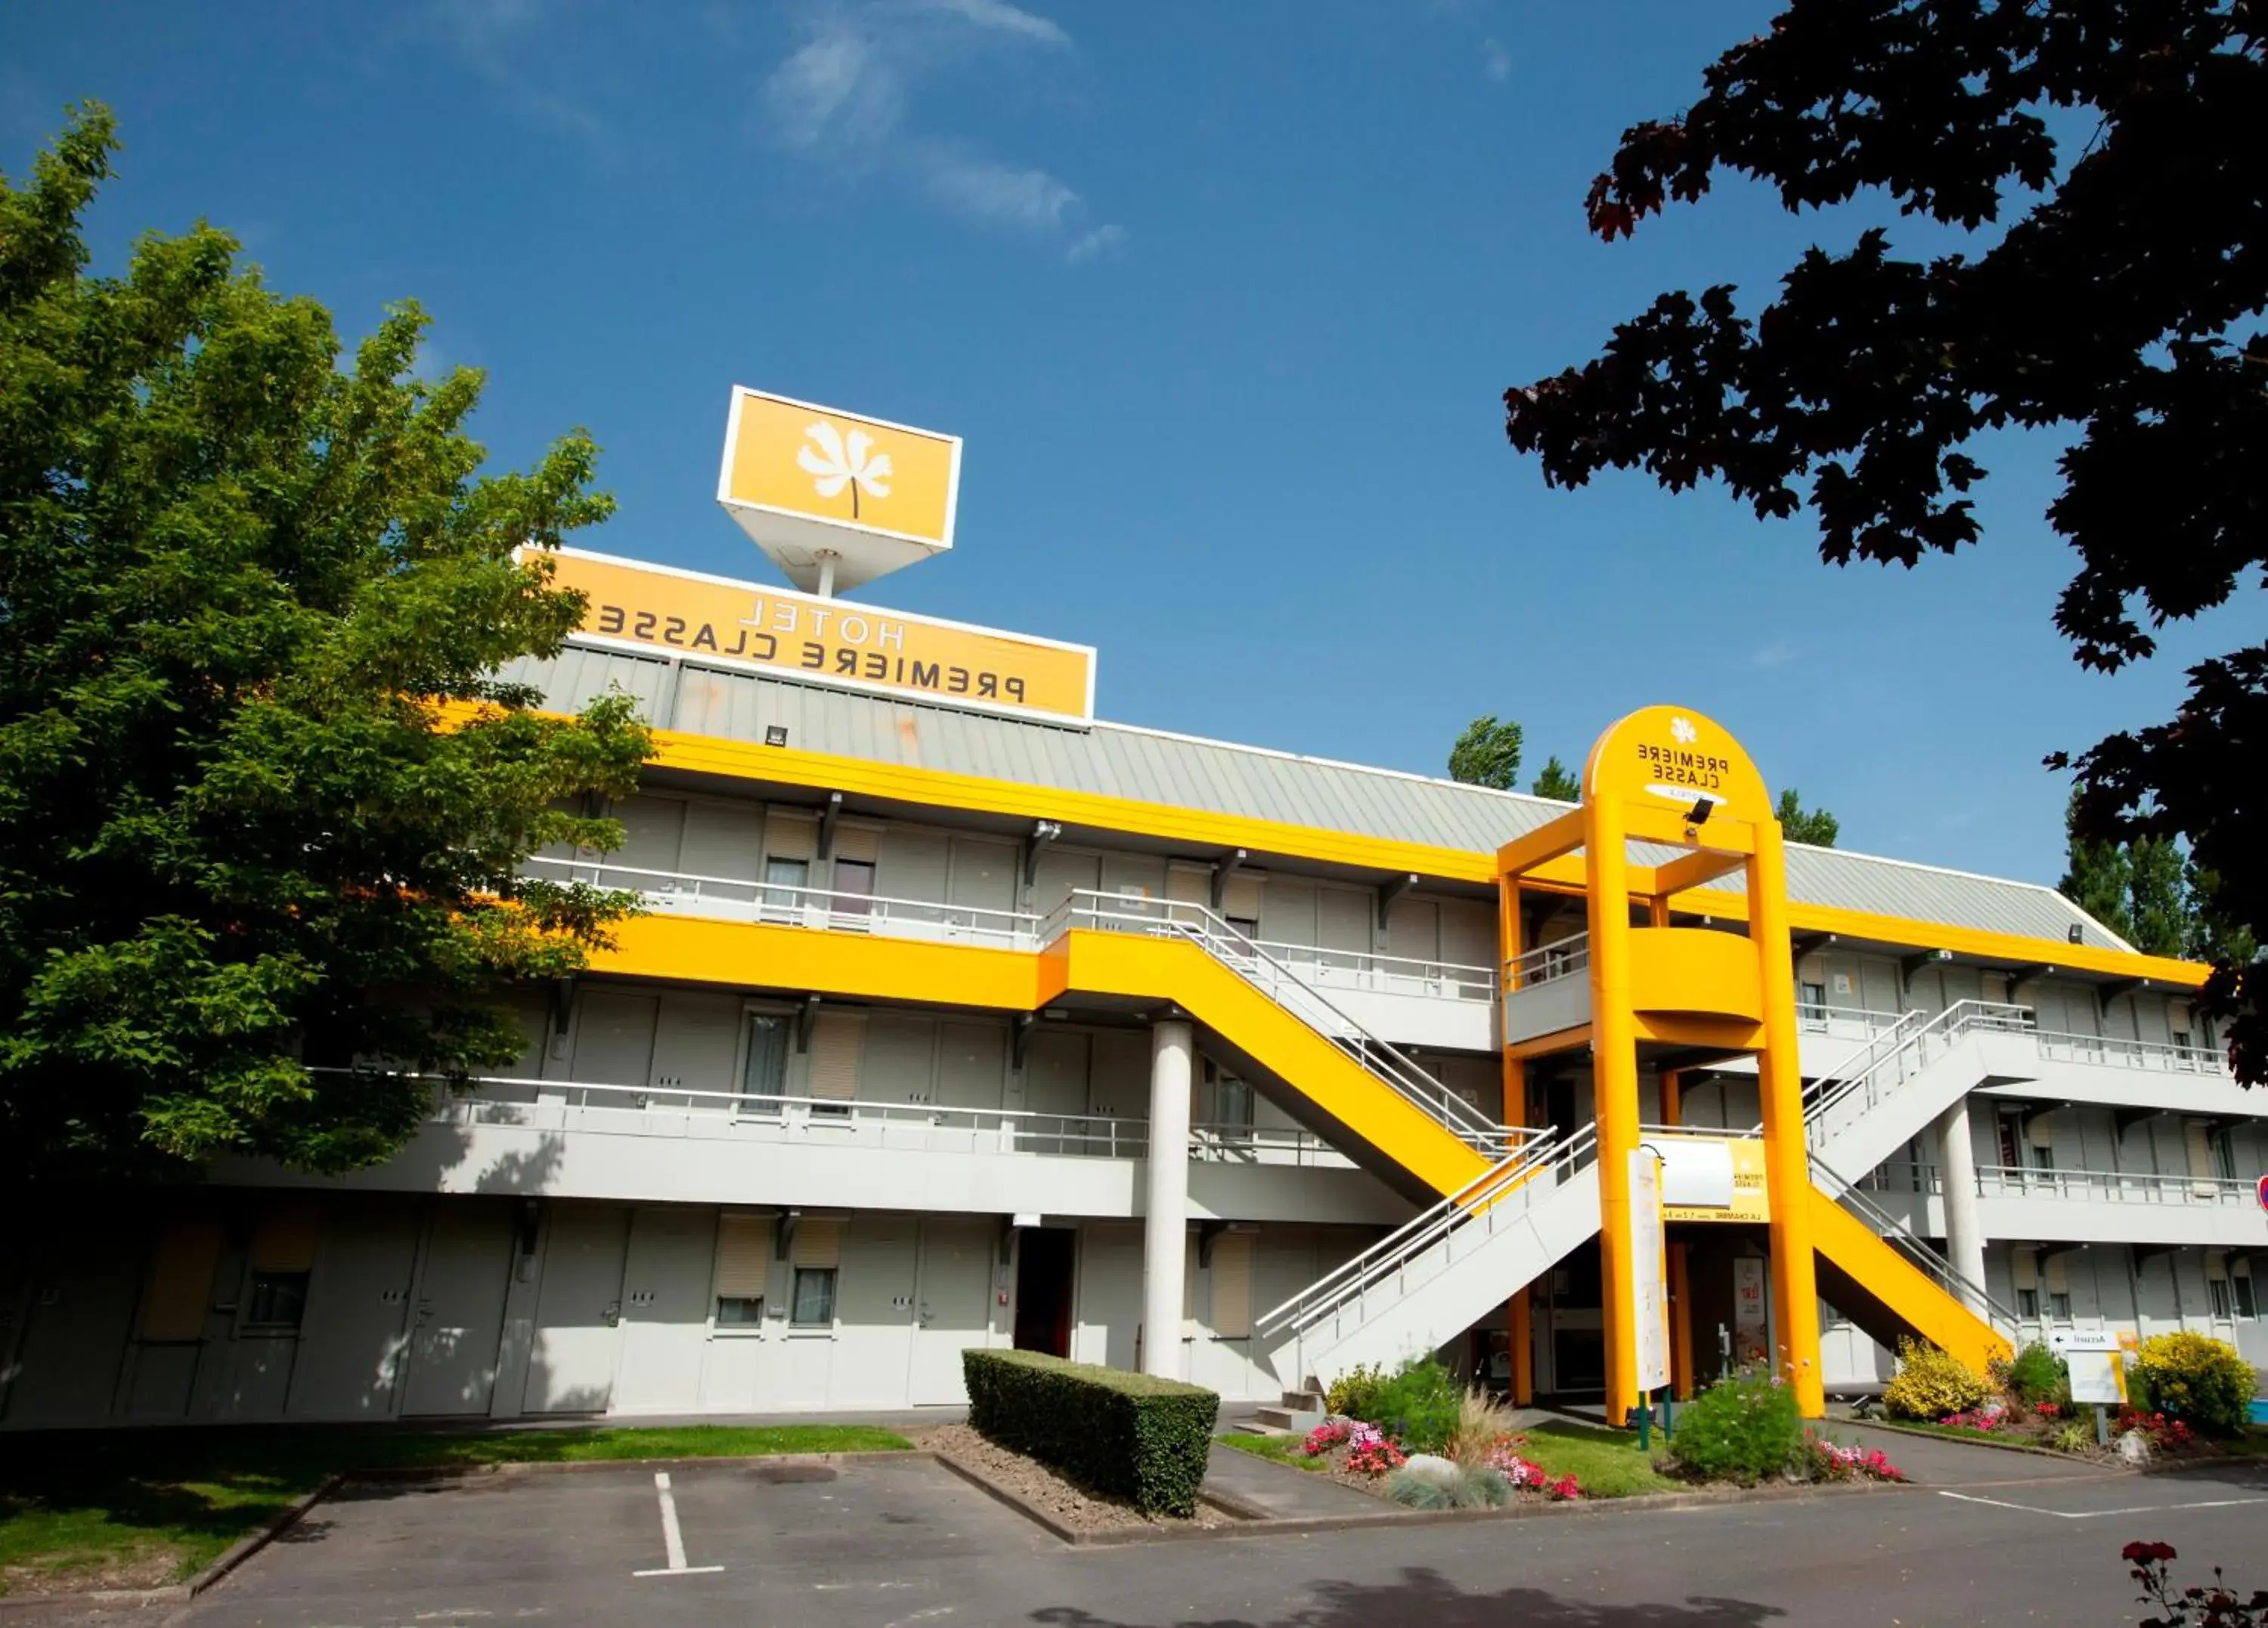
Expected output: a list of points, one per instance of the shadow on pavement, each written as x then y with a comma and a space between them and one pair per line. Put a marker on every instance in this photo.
1425, 1596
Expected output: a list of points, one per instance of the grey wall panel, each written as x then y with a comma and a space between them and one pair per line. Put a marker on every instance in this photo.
85, 1287
972, 1063
1122, 1075
913, 864
653, 837
984, 874
1143, 875
458, 1320
358, 1323
696, 1039
578, 1310
723, 839
899, 1062
614, 1037
666, 1309
1061, 870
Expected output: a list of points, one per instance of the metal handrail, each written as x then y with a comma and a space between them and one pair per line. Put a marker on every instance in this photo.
1483, 1199
1917, 1250
1902, 1051
1464, 981
2068, 1182
1195, 924
1562, 957
787, 904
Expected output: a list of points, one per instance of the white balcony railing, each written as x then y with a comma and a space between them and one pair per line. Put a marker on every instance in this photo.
920, 1127
2081, 1186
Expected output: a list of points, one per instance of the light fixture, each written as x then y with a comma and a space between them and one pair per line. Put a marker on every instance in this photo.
2075, 933
1698, 814
776, 735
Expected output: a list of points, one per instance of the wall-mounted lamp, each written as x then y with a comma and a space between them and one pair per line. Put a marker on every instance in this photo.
1698, 814
776, 735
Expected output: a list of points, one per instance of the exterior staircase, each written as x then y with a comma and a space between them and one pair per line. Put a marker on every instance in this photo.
1437, 1275
1891, 1282
1891, 1088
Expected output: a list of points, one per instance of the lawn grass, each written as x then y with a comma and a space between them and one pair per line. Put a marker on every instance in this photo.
88, 1502
1606, 1464
1277, 1450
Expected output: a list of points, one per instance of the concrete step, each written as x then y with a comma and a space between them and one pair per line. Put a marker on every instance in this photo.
1291, 1421
1304, 1401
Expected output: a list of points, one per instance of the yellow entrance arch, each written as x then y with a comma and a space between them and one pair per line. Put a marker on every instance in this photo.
1675, 784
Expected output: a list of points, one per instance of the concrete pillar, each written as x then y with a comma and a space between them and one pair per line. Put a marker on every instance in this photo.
1165, 1226
1956, 1169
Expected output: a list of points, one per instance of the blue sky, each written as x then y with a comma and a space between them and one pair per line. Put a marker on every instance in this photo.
1223, 298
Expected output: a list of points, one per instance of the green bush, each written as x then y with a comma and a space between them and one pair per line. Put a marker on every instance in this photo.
1477, 1488
1352, 1392
1421, 1404
1123, 1435
2036, 1375
1743, 1429
1932, 1384
2194, 1378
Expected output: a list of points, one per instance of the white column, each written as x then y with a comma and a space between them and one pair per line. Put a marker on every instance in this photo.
1165, 1226
1956, 1169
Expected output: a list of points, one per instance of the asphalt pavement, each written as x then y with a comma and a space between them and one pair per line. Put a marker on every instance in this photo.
1986, 1536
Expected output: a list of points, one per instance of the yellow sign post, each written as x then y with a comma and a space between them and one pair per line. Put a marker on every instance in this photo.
828, 642
836, 499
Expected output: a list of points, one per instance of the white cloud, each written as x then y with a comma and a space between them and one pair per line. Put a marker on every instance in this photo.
1495, 60
1779, 653
845, 96
1103, 241
996, 194
1000, 16
490, 37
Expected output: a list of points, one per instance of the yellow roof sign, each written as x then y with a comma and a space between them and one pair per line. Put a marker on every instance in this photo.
840, 643
809, 482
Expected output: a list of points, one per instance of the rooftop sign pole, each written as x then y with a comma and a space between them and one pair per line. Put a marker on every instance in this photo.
835, 499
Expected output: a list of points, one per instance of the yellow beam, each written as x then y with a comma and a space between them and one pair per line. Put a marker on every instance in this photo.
1908, 1292
1681, 875
1547, 842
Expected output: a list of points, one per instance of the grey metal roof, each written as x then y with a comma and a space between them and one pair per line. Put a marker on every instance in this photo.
1145, 765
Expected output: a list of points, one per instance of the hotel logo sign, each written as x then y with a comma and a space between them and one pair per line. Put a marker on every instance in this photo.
841, 643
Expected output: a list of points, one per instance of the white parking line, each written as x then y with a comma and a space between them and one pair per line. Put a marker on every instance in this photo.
2098, 1514
672, 1541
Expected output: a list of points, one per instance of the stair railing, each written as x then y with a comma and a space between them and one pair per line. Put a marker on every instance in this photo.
1876, 1070
1498, 1197
1195, 924
1917, 1251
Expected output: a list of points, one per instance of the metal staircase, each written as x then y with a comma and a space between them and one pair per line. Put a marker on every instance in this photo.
1441, 1273
1889, 1090
1195, 924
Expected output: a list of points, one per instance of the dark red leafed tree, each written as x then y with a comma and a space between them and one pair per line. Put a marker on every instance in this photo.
2111, 290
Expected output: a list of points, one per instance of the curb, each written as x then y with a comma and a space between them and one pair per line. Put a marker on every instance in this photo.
1984, 1441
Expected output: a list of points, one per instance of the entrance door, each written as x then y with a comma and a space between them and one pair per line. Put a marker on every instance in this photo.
1043, 1268
459, 1318
579, 1311
350, 1348
951, 1305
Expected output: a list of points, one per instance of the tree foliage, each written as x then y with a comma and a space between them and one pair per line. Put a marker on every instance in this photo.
1487, 753
1557, 780
2112, 293
2149, 893
263, 805
1798, 824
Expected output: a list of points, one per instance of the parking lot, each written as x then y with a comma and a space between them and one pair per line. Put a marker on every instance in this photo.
1987, 1537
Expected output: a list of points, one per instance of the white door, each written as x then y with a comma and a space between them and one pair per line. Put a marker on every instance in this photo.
350, 1349
671, 1263
953, 1305
459, 1317
579, 1311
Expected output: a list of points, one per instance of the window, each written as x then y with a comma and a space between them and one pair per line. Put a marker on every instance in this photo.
739, 1312
2223, 1303
764, 1080
2058, 1305
2240, 1291
1813, 1007
1247, 925
2028, 1304
782, 874
854, 887
2224, 1156
813, 1306
279, 1300
2181, 1039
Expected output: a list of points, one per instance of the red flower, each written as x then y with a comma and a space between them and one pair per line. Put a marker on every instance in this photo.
2148, 1551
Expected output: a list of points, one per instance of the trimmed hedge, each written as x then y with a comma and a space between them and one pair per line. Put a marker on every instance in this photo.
1124, 1435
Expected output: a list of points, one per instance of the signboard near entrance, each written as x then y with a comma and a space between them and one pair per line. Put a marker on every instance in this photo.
1712, 1178
1751, 1319
2098, 1372
1649, 1299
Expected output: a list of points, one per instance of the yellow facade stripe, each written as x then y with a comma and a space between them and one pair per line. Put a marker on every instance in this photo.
757, 956
1939, 1318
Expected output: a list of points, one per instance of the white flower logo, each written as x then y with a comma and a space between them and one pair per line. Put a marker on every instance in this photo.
839, 463
1685, 732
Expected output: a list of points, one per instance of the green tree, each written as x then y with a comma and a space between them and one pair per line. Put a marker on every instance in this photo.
1487, 753
1816, 827
2149, 893
1556, 781
262, 804
2098, 876
2101, 169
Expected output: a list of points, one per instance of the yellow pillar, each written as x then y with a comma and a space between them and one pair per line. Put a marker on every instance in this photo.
1521, 1330
1787, 1163
1681, 1326
1673, 1096
1614, 1089
1511, 944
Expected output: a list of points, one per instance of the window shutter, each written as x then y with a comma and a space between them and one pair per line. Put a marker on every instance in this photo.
285, 1241
180, 1282
819, 1240
1241, 897
837, 1039
2197, 1135
2216, 1264
1185, 885
791, 836
859, 842
744, 1254
2038, 1132
2059, 1279
1232, 1285
2024, 1268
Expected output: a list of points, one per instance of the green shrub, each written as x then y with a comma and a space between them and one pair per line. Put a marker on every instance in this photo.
2036, 1375
1421, 1404
2194, 1378
1124, 1435
2073, 1439
1743, 1429
1476, 1488
1931, 1384
1352, 1392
